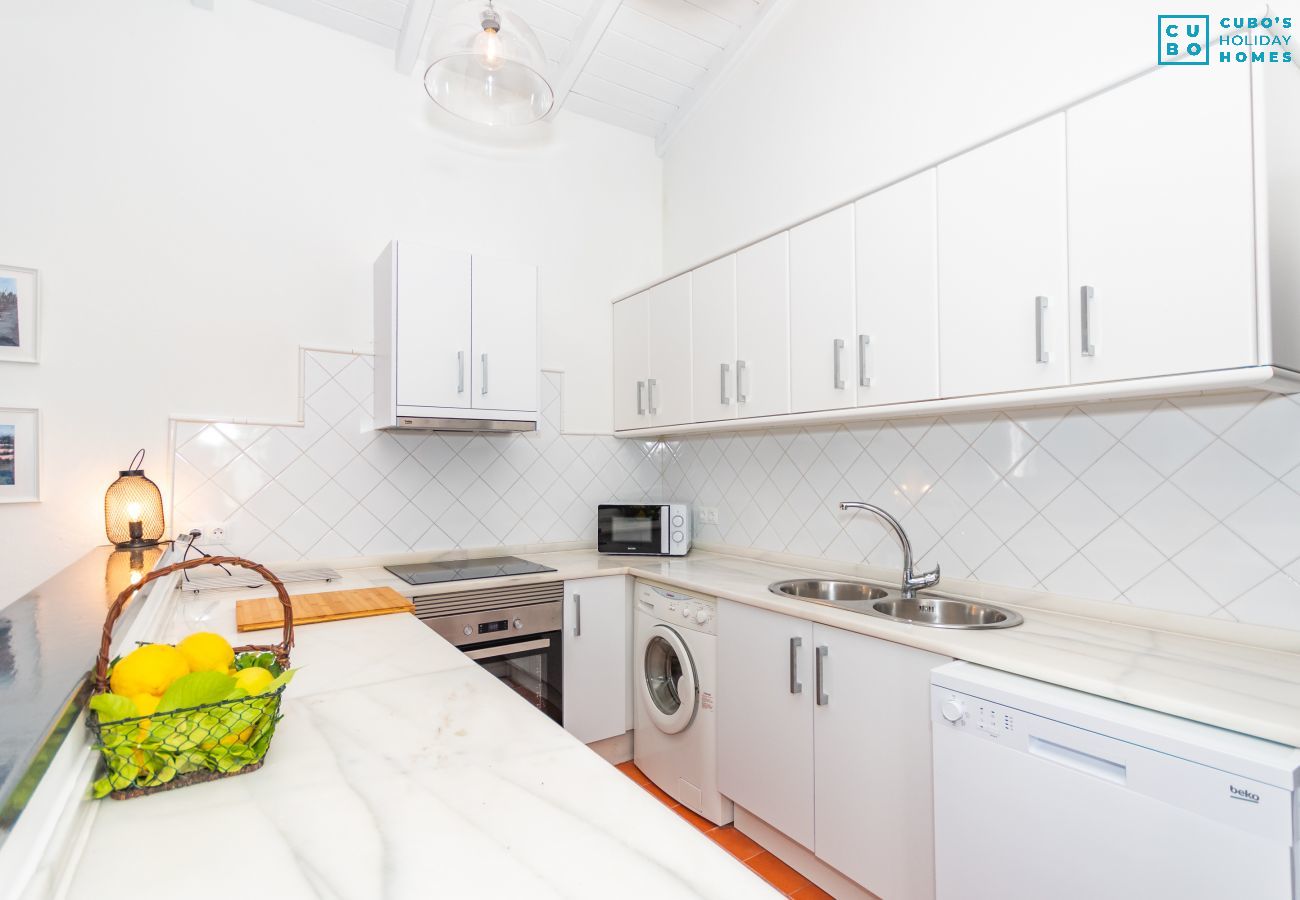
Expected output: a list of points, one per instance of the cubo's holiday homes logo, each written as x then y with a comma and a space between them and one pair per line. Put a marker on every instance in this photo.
1184, 40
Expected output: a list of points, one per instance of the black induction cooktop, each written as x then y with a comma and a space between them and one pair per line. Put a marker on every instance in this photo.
466, 569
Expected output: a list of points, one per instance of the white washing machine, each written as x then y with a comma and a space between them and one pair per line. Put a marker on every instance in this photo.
674, 672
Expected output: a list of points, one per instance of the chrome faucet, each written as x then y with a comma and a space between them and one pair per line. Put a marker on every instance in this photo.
911, 581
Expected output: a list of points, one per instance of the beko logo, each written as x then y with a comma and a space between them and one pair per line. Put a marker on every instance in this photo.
1243, 794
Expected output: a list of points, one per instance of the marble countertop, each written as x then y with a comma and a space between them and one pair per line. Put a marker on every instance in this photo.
401, 769
1241, 678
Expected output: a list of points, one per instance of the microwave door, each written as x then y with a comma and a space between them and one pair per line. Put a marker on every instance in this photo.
631, 529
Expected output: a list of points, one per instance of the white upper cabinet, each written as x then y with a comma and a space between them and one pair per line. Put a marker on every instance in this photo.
455, 340
432, 326
1002, 264
822, 348
897, 342
631, 361
668, 382
504, 365
1162, 252
713, 341
763, 328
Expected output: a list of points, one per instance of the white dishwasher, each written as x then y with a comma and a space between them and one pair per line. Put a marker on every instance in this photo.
1044, 792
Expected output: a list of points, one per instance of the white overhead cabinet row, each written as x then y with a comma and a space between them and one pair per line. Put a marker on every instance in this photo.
1111, 241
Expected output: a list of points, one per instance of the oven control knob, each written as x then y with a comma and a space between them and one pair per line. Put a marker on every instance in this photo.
678, 537
678, 521
953, 710
702, 617
469, 629
519, 624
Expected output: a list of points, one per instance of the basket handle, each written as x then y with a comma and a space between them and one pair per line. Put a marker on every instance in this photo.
280, 650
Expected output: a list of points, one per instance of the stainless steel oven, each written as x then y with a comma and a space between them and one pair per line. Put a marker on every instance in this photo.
513, 632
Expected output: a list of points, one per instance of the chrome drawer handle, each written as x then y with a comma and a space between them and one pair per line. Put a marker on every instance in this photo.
1087, 321
795, 686
823, 698
864, 378
837, 351
1040, 338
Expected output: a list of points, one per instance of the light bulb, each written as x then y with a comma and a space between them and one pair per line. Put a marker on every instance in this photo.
488, 47
133, 512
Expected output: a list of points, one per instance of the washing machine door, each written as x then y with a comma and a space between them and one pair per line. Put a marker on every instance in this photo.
669, 686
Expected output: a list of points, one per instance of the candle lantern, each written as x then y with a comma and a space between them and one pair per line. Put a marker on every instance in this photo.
133, 511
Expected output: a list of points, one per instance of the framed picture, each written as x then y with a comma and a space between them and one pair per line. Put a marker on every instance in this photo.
18, 314
20, 477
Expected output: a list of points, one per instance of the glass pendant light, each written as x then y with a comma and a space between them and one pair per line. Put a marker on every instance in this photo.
487, 67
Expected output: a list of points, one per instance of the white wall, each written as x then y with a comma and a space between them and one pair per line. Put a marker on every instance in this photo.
203, 192
834, 98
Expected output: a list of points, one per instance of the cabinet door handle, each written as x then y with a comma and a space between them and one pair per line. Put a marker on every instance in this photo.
823, 698
1087, 321
640, 398
460, 371
650, 395
483, 390
741, 397
795, 686
864, 377
722, 387
1040, 336
577, 615
837, 351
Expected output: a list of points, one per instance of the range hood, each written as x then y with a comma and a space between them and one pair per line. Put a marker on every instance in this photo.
446, 423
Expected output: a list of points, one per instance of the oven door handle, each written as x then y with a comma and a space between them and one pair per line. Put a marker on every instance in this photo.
508, 649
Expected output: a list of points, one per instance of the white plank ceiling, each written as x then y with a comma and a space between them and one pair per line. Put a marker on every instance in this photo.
638, 64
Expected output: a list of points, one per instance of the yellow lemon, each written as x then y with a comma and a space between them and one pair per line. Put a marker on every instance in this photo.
254, 679
207, 652
238, 737
148, 670
145, 704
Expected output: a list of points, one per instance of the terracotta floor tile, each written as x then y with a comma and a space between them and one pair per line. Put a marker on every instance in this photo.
631, 771
694, 818
777, 873
736, 843
662, 796
811, 892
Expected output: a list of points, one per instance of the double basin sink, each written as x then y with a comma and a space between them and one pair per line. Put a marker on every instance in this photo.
862, 597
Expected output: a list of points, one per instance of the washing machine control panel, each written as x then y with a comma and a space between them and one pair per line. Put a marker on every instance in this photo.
678, 608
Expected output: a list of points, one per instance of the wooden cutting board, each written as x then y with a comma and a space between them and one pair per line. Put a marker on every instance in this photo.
267, 612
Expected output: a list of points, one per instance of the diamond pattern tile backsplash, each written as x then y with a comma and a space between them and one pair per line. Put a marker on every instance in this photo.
333, 487
1188, 504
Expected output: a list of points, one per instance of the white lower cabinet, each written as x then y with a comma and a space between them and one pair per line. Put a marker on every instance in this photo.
873, 810
597, 657
825, 735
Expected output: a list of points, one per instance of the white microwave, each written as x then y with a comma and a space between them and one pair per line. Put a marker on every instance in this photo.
646, 529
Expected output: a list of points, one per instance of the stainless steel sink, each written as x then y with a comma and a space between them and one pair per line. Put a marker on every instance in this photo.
834, 593
941, 612
867, 598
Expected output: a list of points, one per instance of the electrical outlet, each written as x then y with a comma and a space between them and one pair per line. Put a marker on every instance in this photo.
216, 534
708, 515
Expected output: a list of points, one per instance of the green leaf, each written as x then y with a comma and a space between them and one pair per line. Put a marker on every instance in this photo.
281, 680
196, 689
112, 707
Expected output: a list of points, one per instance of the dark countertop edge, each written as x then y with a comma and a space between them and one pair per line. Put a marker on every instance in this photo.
65, 617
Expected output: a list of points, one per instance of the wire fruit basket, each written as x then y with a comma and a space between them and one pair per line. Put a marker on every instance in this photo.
184, 742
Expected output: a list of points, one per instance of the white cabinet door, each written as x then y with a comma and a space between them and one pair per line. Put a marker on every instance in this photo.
504, 367
763, 328
631, 361
1002, 264
1162, 226
433, 326
897, 275
765, 716
822, 348
596, 657
713, 341
668, 390
874, 816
